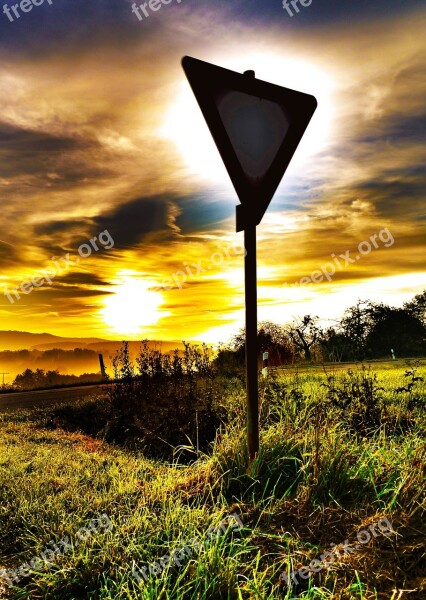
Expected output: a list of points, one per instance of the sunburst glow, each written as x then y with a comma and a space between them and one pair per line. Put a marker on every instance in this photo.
132, 306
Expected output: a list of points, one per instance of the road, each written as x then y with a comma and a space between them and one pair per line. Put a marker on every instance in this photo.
40, 398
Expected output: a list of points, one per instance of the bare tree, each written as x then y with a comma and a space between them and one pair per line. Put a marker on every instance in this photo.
304, 333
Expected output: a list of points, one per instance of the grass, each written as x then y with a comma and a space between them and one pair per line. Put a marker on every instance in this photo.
315, 483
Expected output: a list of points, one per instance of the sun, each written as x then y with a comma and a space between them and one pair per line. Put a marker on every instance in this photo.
184, 124
132, 306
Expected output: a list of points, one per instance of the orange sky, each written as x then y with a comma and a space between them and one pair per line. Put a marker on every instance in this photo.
103, 135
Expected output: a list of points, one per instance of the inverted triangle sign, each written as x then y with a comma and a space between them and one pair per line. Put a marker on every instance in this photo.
256, 126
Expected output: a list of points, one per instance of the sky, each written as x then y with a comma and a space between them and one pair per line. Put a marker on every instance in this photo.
101, 139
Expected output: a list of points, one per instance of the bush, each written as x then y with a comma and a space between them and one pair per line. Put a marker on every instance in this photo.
164, 402
357, 398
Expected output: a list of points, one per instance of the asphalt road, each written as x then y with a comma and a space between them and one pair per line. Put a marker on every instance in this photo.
40, 398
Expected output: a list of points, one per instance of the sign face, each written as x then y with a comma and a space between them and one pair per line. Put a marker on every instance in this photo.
256, 126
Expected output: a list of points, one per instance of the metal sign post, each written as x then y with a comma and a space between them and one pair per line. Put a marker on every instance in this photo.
250, 269
257, 127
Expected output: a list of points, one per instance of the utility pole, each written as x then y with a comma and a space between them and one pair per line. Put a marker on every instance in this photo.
4, 375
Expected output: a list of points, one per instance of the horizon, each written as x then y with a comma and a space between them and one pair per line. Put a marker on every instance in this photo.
324, 323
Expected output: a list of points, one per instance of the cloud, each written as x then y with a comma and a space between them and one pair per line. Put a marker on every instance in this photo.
31, 152
85, 88
128, 223
81, 279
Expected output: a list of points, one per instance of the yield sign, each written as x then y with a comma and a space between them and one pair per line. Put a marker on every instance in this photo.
256, 126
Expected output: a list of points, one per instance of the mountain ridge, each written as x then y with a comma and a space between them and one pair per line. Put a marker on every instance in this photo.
23, 340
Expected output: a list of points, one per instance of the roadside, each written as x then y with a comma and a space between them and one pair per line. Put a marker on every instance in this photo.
41, 398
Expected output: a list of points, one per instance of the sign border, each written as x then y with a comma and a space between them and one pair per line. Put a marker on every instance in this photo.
208, 81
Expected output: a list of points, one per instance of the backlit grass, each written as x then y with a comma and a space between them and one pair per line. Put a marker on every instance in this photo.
315, 483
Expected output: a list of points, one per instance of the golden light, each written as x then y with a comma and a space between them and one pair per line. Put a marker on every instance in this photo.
184, 124
133, 305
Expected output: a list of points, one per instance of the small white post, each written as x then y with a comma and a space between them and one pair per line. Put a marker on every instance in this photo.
265, 364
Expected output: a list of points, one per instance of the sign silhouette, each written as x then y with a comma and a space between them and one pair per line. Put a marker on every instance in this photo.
256, 126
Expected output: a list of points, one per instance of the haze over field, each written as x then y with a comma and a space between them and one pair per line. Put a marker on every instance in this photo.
71, 356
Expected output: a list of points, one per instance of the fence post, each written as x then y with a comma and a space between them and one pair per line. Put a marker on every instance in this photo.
265, 364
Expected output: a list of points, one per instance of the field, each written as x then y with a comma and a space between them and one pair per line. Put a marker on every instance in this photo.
342, 458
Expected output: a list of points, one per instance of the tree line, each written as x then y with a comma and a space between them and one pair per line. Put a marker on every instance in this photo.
39, 378
366, 330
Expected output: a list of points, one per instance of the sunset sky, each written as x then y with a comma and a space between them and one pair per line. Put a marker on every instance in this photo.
99, 131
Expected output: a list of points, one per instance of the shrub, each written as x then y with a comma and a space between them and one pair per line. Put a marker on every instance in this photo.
357, 398
165, 402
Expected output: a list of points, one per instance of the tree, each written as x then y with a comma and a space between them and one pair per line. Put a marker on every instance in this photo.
358, 321
273, 339
398, 330
304, 333
335, 346
25, 380
417, 307
373, 328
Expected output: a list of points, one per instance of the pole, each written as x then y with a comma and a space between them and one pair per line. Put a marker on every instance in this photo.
265, 364
102, 365
251, 341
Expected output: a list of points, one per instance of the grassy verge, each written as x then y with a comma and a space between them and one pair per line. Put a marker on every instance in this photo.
316, 482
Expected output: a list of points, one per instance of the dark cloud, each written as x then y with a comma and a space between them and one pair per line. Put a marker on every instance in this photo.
130, 223
78, 292
22, 140
55, 292
76, 279
319, 11
58, 160
398, 128
395, 198
8, 255
53, 227
82, 25
69, 25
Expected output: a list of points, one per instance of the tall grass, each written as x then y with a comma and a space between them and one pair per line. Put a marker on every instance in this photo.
315, 482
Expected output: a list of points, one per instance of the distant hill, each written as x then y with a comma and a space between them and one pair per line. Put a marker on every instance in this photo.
68, 345
22, 340
20, 350
104, 346
112, 347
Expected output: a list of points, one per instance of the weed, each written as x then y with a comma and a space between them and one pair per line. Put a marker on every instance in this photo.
357, 398
412, 397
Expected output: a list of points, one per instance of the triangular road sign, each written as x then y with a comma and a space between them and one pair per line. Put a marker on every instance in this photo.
256, 126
